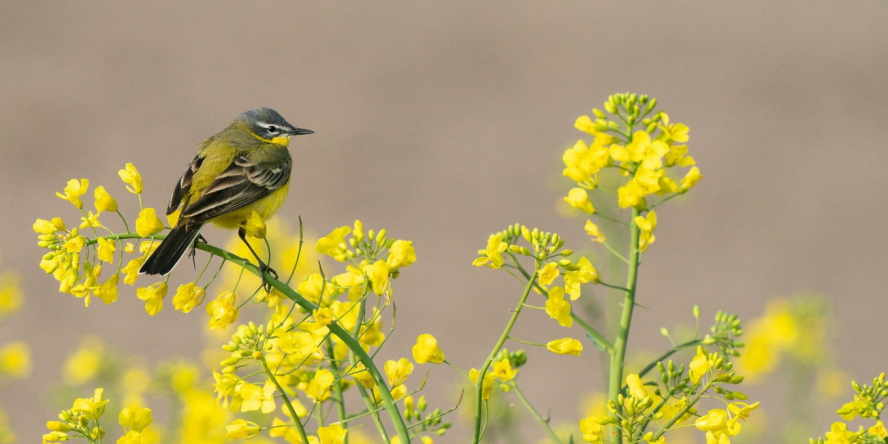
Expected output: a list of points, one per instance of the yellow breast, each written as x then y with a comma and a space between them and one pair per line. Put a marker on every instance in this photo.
266, 207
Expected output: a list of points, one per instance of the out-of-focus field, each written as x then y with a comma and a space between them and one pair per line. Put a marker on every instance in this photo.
446, 122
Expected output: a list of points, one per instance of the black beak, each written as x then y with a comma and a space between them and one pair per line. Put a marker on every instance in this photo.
300, 131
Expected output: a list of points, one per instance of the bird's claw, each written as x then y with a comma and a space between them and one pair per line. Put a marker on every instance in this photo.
263, 268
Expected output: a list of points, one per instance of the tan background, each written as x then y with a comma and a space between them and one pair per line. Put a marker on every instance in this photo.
444, 122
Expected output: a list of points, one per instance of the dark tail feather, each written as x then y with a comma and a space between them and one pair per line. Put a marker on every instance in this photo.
171, 249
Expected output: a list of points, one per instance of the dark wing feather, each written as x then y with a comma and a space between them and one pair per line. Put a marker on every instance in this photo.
183, 185
243, 183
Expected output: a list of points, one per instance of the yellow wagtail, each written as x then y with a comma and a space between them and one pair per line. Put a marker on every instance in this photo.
242, 169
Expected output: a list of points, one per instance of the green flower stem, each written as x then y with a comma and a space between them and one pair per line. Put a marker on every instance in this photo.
337, 387
669, 353
618, 355
335, 328
479, 384
682, 412
543, 421
287, 402
591, 331
371, 405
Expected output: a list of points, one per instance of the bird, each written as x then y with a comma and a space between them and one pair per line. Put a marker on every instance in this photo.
245, 168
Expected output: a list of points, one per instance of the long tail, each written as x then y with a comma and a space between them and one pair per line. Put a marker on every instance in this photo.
171, 249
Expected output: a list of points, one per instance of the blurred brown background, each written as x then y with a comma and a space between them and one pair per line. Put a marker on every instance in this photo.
445, 122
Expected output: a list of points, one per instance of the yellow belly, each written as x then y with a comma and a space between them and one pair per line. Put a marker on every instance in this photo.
266, 207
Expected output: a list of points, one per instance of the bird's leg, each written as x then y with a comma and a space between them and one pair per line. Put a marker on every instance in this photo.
193, 250
263, 267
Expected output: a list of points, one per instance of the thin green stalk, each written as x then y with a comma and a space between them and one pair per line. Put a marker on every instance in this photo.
337, 387
535, 413
669, 353
287, 402
591, 331
618, 356
682, 412
479, 383
371, 405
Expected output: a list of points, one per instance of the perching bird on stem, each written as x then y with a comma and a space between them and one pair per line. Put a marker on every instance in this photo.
244, 168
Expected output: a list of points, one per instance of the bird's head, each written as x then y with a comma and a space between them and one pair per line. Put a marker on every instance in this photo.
268, 125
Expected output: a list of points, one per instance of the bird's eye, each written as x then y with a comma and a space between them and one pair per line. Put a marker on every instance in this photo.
272, 129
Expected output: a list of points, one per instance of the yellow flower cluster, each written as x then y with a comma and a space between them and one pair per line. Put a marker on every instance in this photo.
869, 402
77, 261
374, 260
645, 156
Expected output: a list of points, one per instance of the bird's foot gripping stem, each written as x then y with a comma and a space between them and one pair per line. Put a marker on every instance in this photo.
265, 270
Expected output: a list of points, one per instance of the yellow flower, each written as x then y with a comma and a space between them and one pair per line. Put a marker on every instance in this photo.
323, 316
557, 308
677, 132
135, 419
592, 230
256, 398
699, 365
878, 430
566, 346
90, 220
91, 408
492, 256
592, 430
106, 250
107, 292
584, 274
715, 420
312, 287
133, 437
188, 296
401, 254
75, 243
636, 386
15, 360
398, 371
255, 226
104, 201
222, 311
741, 410
582, 163
378, 273
332, 434
334, 245
363, 376
426, 350
73, 191
130, 176
487, 386
148, 223
579, 199
646, 225
548, 273
632, 195
319, 387
43, 226
240, 429
586, 125
503, 370
131, 270
690, 180
838, 434
153, 296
